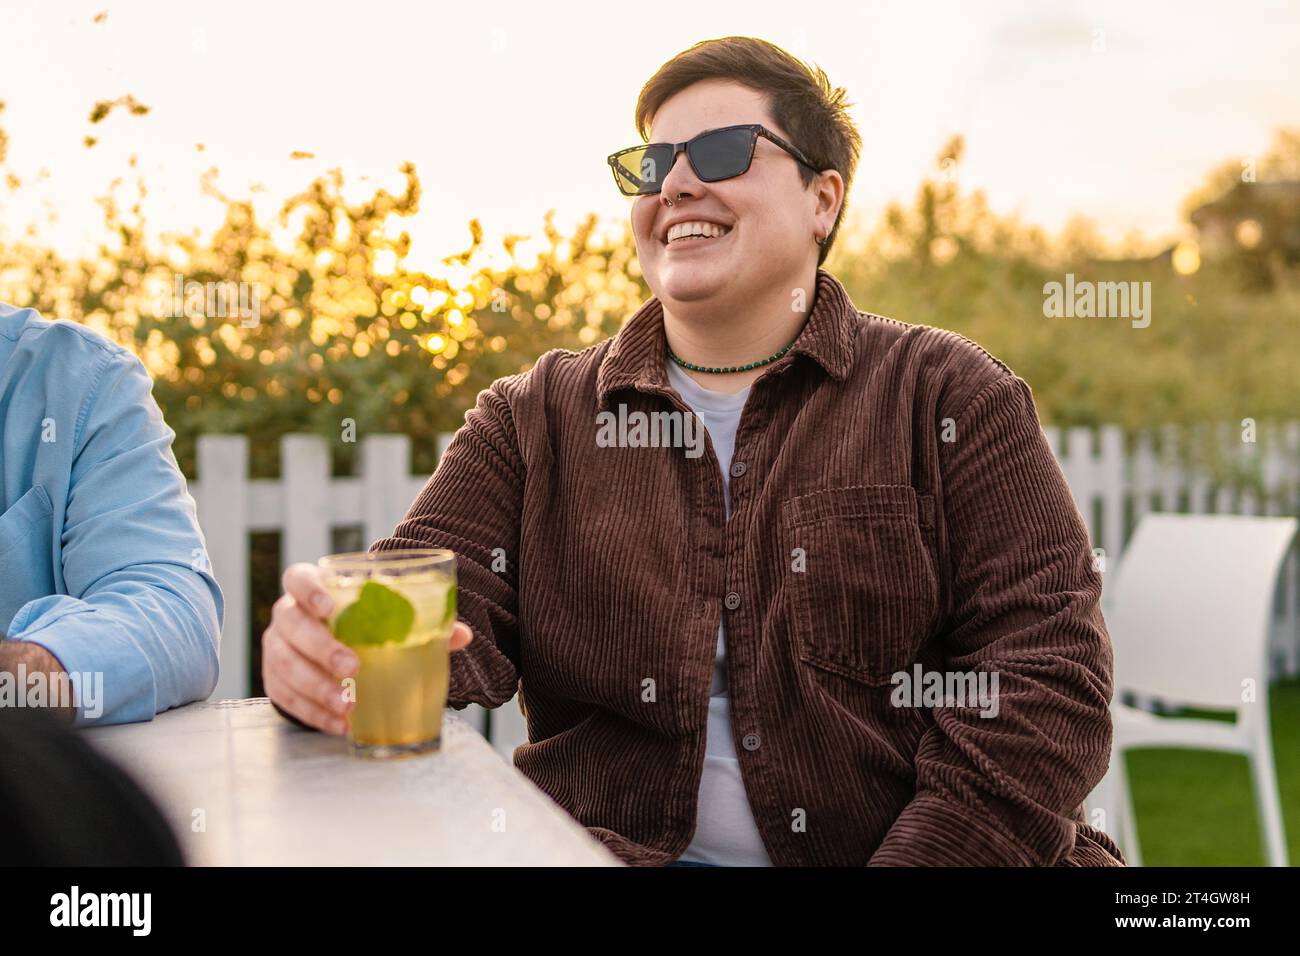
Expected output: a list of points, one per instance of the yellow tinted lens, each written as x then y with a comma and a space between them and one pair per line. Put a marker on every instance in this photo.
637, 170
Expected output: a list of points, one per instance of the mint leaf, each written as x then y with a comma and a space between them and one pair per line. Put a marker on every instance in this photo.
449, 616
379, 615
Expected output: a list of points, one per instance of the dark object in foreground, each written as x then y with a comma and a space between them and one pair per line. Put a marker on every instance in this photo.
66, 805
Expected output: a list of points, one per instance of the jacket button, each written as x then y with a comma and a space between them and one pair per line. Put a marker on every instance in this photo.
750, 742
738, 469
732, 600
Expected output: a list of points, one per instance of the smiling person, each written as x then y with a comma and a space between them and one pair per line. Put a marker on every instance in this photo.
710, 648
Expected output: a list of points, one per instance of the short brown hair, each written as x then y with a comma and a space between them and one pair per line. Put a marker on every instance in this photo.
800, 99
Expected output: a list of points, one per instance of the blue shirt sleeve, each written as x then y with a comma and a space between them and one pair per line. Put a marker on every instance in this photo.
138, 629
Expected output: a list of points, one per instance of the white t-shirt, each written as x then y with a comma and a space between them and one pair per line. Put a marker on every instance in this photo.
725, 832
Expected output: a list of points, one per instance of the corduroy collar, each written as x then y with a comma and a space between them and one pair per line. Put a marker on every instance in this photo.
636, 358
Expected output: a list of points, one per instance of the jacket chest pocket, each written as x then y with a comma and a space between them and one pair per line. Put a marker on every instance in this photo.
26, 558
27, 517
867, 597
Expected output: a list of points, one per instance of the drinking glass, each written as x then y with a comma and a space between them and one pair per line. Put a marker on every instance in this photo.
395, 609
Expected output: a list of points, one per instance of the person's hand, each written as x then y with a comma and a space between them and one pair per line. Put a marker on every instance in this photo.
303, 663
23, 658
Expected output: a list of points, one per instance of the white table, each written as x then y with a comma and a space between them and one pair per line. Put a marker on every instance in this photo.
242, 786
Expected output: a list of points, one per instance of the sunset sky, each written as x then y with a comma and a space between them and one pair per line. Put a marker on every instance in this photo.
509, 109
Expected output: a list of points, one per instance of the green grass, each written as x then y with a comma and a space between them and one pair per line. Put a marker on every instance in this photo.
1194, 808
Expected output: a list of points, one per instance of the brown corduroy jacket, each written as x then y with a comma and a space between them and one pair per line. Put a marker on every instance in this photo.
895, 506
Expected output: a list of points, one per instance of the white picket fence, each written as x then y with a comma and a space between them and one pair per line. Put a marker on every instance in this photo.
1113, 489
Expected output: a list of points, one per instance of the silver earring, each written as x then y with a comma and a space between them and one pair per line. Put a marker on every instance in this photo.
820, 240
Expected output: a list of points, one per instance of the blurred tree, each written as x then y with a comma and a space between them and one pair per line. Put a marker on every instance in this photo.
1210, 353
348, 329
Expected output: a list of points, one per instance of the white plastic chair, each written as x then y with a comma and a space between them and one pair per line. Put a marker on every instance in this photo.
1188, 611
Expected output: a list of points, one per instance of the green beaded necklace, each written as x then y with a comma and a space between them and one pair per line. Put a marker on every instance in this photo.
733, 368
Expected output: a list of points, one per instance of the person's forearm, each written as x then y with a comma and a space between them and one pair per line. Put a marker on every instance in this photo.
23, 660
1003, 788
137, 619
473, 504
137, 643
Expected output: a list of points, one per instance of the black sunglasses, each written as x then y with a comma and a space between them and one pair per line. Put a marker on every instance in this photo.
715, 155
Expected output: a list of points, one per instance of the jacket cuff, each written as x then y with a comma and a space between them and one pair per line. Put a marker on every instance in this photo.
932, 831
111, 680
